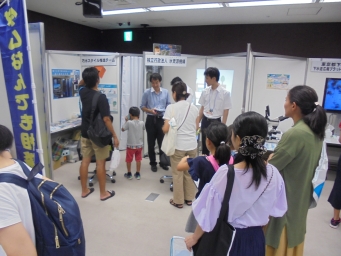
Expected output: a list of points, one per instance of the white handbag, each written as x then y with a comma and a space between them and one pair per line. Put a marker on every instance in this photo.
319, 176
169, 140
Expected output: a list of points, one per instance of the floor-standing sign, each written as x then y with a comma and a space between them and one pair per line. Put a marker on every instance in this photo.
16, 69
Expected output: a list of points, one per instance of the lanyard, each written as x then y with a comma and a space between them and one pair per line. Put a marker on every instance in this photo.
209, 101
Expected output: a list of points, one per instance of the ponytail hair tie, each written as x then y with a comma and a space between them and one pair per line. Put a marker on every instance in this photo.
223, 142
184, 92
317, 104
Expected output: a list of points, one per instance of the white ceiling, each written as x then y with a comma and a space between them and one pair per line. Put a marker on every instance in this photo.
296, 13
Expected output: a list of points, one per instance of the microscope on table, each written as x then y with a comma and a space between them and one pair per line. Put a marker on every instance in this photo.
273, 133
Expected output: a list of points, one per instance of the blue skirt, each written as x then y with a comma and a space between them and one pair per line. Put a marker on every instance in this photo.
248, 242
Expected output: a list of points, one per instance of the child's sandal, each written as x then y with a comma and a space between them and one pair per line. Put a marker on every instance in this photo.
176, 205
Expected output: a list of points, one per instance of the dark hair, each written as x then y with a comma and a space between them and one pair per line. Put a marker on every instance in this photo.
249, 124
314, 115
134, 111
229, 136
6, 138
175, 79
155, 76
180, 89
90, 77
217, 133
212, 72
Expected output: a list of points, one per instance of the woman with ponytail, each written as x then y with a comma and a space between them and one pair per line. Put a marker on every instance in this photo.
296, 157
258, 191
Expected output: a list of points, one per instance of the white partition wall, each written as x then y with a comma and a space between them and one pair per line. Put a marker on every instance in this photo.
238, 65
262, 96
132, 89
188, 74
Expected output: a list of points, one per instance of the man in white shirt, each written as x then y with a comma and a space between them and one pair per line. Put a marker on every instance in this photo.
189, 90
215, 103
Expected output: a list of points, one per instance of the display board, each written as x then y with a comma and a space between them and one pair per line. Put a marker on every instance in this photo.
262, 96
62, 108
317, 81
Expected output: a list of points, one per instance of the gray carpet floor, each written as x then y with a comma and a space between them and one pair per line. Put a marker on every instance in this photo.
127, 224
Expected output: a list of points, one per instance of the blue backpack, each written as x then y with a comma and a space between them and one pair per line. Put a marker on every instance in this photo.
56, 216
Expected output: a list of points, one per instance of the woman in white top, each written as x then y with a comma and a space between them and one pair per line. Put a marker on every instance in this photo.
17, 235
185, 115
258, 191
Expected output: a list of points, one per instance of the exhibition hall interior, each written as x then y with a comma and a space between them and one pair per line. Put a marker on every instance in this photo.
253, 54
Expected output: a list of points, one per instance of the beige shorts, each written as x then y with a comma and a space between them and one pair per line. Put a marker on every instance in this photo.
89, 149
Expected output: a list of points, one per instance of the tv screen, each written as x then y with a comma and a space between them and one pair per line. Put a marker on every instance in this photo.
332, 95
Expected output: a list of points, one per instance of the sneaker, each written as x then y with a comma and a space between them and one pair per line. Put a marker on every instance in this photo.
128, 175
137, 175
334, 223
153, 168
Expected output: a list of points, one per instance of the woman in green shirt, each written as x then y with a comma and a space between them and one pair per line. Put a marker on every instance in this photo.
296, 157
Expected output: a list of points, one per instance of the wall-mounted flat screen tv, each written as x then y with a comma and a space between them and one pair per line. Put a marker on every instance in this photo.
332, 95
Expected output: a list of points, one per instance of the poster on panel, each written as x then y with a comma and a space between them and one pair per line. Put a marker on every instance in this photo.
65, 83
277, 81
110, 90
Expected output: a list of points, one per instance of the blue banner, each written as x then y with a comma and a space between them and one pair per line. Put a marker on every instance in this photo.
15, 60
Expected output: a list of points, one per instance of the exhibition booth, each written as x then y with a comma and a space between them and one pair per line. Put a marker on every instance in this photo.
255, 80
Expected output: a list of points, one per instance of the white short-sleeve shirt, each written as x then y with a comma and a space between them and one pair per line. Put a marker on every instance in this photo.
217, 100
15, 206
186, 136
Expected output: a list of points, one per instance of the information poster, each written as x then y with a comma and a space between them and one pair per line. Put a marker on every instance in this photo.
167, 49
65, 83
110, 90
277, 81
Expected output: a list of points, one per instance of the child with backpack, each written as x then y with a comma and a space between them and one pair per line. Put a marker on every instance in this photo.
203, 168
135, 129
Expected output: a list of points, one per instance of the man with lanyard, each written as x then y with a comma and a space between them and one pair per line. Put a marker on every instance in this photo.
215, 103
154, 103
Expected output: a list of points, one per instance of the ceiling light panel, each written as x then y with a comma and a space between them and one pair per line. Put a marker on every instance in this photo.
264, 3
185, 7
176, 1
330, 1
124, 11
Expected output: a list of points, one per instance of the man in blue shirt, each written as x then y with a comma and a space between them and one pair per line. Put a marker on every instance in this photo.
154, 103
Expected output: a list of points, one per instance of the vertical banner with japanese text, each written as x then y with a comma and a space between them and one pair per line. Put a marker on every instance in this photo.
15, 60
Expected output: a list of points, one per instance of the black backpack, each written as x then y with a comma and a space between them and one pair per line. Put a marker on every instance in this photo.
56, 217
98, 132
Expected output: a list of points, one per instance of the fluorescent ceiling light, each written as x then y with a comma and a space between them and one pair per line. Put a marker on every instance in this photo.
262, 3
330, 1
185, 7
125, 11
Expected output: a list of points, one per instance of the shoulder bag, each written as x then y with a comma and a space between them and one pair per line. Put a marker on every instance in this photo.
98, 132
169, 140
219, 241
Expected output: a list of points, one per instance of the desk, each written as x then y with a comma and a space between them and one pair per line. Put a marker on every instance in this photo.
66, 126
333, 141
